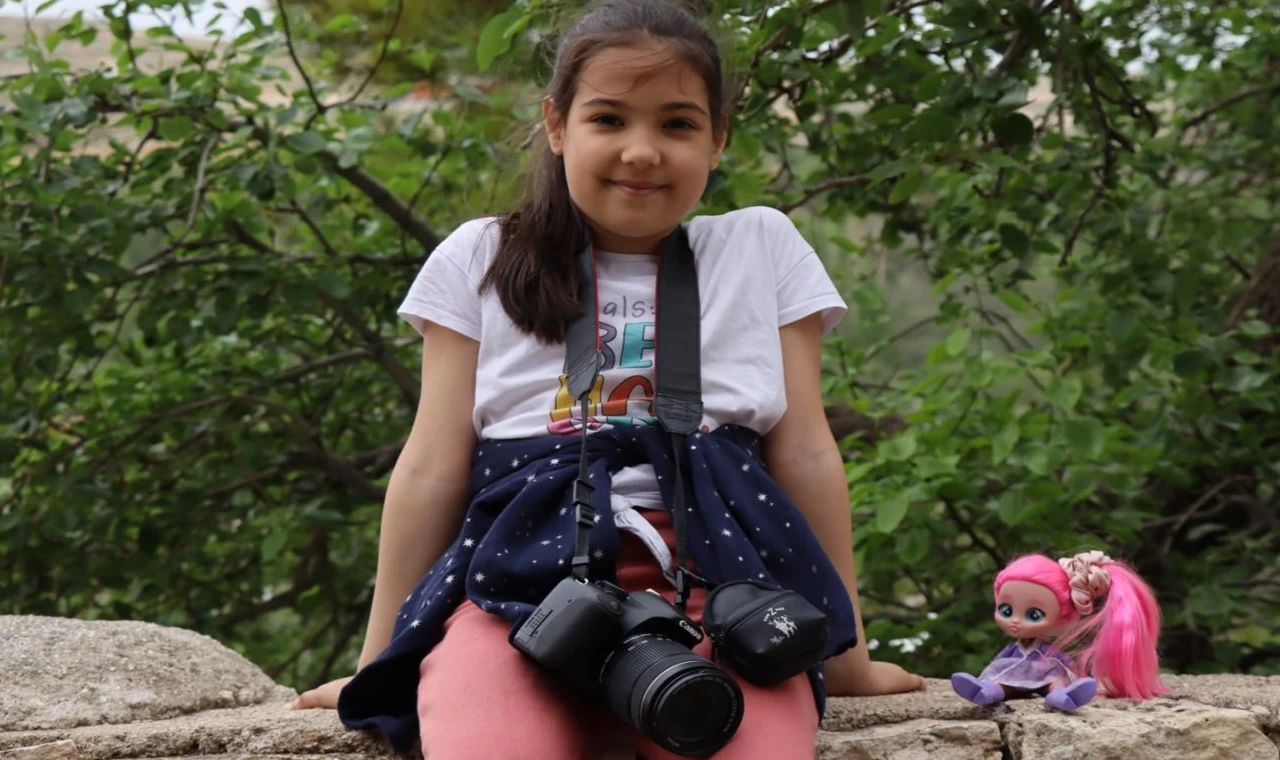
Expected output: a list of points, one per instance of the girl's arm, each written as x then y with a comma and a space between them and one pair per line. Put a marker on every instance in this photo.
802, 456
427, 492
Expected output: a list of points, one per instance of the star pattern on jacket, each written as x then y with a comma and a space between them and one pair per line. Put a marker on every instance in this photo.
512, 549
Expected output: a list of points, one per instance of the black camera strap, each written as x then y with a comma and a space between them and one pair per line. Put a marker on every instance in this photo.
677, 397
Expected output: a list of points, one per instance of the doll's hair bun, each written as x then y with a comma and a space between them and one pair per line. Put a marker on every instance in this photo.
1089, 581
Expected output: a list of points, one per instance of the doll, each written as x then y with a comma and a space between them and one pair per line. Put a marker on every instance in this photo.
1046, 606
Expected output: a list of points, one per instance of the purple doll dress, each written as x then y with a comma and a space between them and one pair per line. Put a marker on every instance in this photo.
1029, 668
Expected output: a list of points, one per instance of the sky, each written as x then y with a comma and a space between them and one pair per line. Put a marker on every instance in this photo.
231, 16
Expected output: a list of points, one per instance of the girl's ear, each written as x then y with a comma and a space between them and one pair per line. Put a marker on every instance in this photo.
717, 148
553, 123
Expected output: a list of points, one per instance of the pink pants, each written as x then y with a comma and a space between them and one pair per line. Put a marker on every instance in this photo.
481, 699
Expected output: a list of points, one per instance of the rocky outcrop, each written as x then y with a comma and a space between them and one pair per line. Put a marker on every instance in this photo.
78, 690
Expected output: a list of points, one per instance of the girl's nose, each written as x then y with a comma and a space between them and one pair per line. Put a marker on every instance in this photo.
640, 151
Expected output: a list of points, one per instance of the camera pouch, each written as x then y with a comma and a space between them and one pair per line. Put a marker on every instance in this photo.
766, 633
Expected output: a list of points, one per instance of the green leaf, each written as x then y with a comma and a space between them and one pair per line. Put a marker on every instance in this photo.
1043, 460
1014, 300
307, 142
1014, 129
891, 169
1004, 441
1086, 436
889, 113
333, 283
1015, 239
1014, 507
933, 466
900, 447
906, 186
1065, 392
1190, 364
177, 128
889, 514
911, 546
272, 545
341, 23
958, 341
935, 125
493, 38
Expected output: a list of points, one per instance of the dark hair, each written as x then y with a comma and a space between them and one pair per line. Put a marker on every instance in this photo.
534, 271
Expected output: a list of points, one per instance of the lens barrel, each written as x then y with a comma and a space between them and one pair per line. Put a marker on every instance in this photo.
685, 703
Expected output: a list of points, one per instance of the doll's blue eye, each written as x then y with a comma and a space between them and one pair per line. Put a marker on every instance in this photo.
1035, 614
1005, 610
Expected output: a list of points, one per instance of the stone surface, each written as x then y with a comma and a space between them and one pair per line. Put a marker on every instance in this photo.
81, 690
62, 673
63, 750
921, 739
1257, 694
266, 729
936, 702
1160, 729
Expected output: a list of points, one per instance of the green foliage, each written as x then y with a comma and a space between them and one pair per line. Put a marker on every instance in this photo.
1055, 227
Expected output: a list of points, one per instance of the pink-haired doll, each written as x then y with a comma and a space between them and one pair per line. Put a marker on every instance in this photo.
1046, 606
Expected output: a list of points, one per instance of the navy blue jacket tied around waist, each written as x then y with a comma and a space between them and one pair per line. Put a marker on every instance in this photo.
517, 543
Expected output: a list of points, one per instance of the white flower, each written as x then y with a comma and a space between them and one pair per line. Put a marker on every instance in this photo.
468, 542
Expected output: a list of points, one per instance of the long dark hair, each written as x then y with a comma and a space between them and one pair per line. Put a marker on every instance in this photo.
534, 271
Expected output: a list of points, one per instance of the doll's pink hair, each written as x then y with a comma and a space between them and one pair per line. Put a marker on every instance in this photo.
1118, 641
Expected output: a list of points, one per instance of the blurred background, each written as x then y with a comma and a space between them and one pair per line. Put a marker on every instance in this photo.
1055, 222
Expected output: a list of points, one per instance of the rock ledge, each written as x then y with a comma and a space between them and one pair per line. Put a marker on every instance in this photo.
80, 690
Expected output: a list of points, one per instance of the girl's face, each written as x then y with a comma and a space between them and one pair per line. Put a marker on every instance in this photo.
637, 143
1027, 610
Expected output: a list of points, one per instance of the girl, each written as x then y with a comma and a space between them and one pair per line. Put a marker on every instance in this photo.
1088, 598
636, 117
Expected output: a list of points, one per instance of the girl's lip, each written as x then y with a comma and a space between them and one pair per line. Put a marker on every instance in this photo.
637, 187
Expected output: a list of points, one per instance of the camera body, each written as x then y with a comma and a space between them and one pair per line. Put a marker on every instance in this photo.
576, 629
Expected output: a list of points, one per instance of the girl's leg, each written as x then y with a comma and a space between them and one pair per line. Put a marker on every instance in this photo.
779, 722
480, 698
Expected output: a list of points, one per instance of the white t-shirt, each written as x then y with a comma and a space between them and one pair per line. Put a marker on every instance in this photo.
756, 273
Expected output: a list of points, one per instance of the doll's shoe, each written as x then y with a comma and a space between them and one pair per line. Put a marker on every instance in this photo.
1073, 697
979, 692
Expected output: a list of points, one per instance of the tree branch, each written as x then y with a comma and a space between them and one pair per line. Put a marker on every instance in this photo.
293, 54
1227, 103
404, 379
382, 56
812, 192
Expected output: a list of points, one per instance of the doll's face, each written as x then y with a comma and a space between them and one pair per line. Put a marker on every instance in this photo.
1026, 610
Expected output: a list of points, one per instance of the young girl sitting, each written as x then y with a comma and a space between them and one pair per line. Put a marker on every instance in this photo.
474, 533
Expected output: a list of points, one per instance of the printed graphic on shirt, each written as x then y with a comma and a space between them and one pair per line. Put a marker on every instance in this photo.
629, 400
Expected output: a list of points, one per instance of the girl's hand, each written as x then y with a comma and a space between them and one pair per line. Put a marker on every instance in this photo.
844, 678
324, 696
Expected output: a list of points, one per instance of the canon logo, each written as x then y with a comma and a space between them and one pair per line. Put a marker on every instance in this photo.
692, 631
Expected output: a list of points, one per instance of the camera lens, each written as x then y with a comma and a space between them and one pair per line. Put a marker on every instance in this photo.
685, 703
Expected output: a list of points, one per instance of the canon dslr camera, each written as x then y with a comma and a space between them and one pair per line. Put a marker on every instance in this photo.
635, 650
